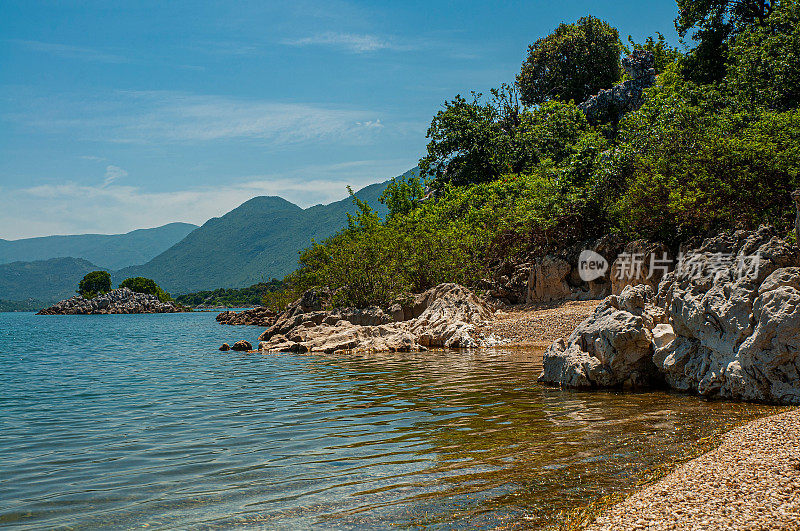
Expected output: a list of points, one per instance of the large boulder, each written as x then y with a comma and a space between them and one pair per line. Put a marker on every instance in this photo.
445, 316
733, 307
724, 323
612, 347
260, 316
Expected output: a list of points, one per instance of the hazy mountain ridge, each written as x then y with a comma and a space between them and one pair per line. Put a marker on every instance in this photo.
257, 241
109, 251
43, 280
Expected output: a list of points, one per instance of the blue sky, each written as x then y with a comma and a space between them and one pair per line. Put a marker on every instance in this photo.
123, 115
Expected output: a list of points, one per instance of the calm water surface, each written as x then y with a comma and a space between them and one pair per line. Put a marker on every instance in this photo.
138, 421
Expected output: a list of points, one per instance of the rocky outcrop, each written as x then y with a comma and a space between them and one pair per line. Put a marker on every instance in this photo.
613, 347
260, 316
446, 316
724, 323
641, 262
609, 105
556, 277
118, 301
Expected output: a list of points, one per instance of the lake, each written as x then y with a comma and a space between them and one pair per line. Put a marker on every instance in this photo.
123, 421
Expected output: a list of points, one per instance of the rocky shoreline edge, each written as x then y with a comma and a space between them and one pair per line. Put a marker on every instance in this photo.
118, 301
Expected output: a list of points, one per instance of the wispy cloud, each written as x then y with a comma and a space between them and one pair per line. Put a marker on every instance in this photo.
112, 174
159, 117
351, 42
72, 208
72, 52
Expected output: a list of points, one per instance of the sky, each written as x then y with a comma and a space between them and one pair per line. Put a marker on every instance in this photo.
123, 115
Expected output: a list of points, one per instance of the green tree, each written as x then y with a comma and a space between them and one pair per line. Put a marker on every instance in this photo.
479, 141
146, 286
402, 195
764, 60
572, 63
712, 24
94, 284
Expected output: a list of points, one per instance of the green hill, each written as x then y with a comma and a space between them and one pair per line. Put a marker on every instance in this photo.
44, 280
111, 251
254, 242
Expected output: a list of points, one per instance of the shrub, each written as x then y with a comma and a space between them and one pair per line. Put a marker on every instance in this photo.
94, 284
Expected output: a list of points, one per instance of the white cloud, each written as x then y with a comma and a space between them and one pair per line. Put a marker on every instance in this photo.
351, 42
72, 208
161, 116
113, 173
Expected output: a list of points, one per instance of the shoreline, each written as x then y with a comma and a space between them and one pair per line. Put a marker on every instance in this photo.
751, 480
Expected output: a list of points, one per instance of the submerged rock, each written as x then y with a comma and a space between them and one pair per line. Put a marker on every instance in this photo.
444, 316
725, 323
225, 347
118, 301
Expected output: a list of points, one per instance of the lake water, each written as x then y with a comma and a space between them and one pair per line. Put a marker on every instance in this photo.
138, 421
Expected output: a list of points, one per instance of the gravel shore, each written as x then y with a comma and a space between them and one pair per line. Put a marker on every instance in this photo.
538, 325
752, 481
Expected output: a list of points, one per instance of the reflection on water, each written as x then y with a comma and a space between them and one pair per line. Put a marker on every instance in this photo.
107, 423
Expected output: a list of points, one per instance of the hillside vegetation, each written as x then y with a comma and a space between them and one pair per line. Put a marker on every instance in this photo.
252, 243
47, 281
715, 145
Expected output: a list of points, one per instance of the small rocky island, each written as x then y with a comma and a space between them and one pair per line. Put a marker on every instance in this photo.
118, 301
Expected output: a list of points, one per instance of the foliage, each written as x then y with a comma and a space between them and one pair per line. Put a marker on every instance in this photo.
663, 54
474, 142
572, 63
402, 195
30, 305
94, 284
764, 60
690, 162
146, 286
231, 297
714, 24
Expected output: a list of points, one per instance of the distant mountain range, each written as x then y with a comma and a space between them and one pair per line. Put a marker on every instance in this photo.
109, 251
257, 241
254, 242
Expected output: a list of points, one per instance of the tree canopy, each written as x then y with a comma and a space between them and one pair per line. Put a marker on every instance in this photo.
94, 284
146, 286
572, 63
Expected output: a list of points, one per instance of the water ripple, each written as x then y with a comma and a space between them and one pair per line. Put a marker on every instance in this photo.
122, 421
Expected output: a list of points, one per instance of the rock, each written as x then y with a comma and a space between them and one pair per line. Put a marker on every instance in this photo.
641, 262
548, 280
612, 347
118, 301
725, 323
242, 346
260, 316
444, 316
225, 347
610, 104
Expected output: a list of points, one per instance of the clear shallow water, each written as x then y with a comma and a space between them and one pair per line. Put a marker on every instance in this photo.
137, 420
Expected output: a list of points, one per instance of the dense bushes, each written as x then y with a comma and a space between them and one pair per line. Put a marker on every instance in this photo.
94, 284
146, 286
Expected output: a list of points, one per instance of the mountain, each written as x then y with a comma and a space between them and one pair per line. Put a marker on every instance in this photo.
113, 251
254, 242
45, 280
